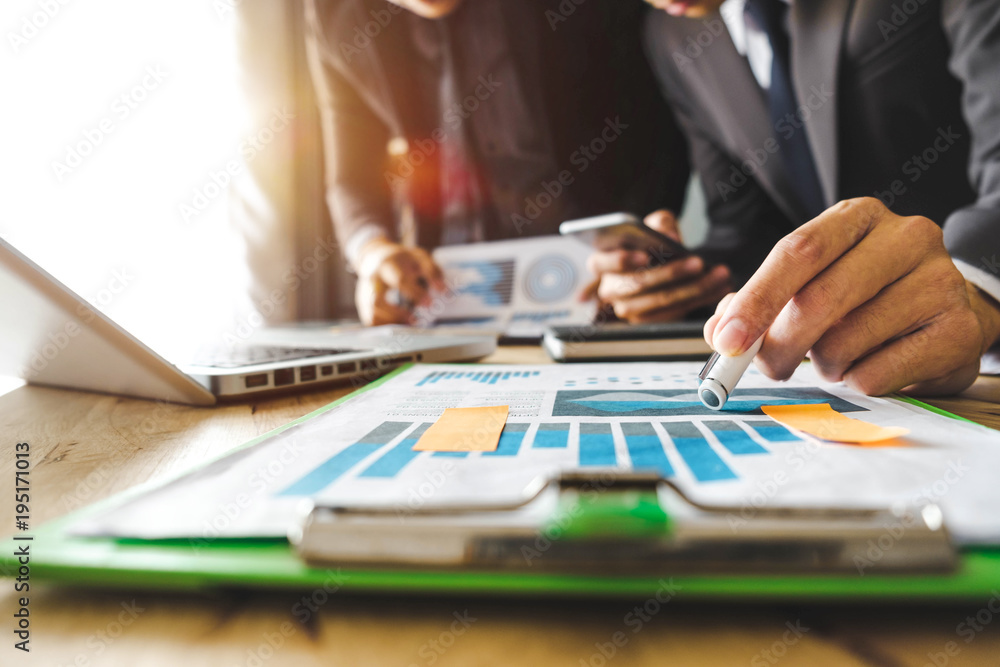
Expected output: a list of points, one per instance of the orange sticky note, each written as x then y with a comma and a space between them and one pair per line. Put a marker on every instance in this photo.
822, 421
464, 430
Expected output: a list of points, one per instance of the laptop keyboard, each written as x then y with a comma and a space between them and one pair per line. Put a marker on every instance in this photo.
234, 356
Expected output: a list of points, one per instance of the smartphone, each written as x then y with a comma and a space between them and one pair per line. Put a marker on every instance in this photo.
624, 231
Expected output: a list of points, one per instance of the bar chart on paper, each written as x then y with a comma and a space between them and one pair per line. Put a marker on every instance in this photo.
704, 451
590, 417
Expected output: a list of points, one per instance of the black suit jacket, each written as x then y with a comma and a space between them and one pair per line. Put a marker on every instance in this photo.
592, 71
900, 106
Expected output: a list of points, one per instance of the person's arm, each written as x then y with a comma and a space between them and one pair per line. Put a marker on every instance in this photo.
391, 277
972, 234
744, 222
885, 302
354, 147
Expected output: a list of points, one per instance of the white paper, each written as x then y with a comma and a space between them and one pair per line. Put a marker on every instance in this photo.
516, 287
256, 491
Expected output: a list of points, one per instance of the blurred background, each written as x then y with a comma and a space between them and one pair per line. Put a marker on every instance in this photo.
164, 161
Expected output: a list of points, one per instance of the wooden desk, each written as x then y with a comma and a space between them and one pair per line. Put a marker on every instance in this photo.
86, 447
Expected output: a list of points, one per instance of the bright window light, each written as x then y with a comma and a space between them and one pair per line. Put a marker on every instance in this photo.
115, 115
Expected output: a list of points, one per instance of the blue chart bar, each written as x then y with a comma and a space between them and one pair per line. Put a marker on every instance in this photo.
645, 448
396, 458
735, 439
597, 447
453, 455
481, 377
551, 436
327, 472
774, 432
704, 463
510, 440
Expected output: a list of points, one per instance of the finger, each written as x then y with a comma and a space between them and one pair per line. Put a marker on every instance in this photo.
884, 256
713, 321
681, 310
617, 261
664, 222
899, 309
404, 273
794, 261
633, 308
386, 313
930, 354
589, 292
952, 383
382, 311
430, 269
618, 285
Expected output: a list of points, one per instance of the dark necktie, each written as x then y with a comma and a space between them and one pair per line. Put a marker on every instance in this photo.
768, 16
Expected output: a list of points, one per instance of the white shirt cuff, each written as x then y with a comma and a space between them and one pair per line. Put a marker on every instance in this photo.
989, 283
984, 280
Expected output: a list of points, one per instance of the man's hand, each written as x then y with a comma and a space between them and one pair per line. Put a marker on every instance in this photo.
392, 279
641, 290
872, 297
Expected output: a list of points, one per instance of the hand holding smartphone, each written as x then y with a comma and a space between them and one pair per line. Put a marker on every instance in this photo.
644, 274
624, 231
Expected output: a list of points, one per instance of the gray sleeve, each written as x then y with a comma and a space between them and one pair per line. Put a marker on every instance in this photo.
354, 147
972, 234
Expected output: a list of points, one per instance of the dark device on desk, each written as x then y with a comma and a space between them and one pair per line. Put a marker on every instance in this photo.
624, 231
619, 341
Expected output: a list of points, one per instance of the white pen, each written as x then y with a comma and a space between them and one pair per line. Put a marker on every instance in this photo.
721, 374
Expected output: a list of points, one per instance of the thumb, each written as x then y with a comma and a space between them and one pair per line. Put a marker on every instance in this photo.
664, 222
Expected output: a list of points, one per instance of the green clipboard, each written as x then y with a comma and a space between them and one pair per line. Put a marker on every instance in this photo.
272, 563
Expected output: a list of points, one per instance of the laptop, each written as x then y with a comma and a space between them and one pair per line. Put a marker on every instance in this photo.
49, 335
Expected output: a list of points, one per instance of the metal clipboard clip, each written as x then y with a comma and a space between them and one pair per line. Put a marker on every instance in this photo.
615, 522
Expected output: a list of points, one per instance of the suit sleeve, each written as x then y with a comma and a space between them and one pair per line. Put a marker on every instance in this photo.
972, 234
354, 146
744, 223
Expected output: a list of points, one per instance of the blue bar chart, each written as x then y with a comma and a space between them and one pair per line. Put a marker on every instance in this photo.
552, 436
707, 450
646, 448
479, 377
328, 472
